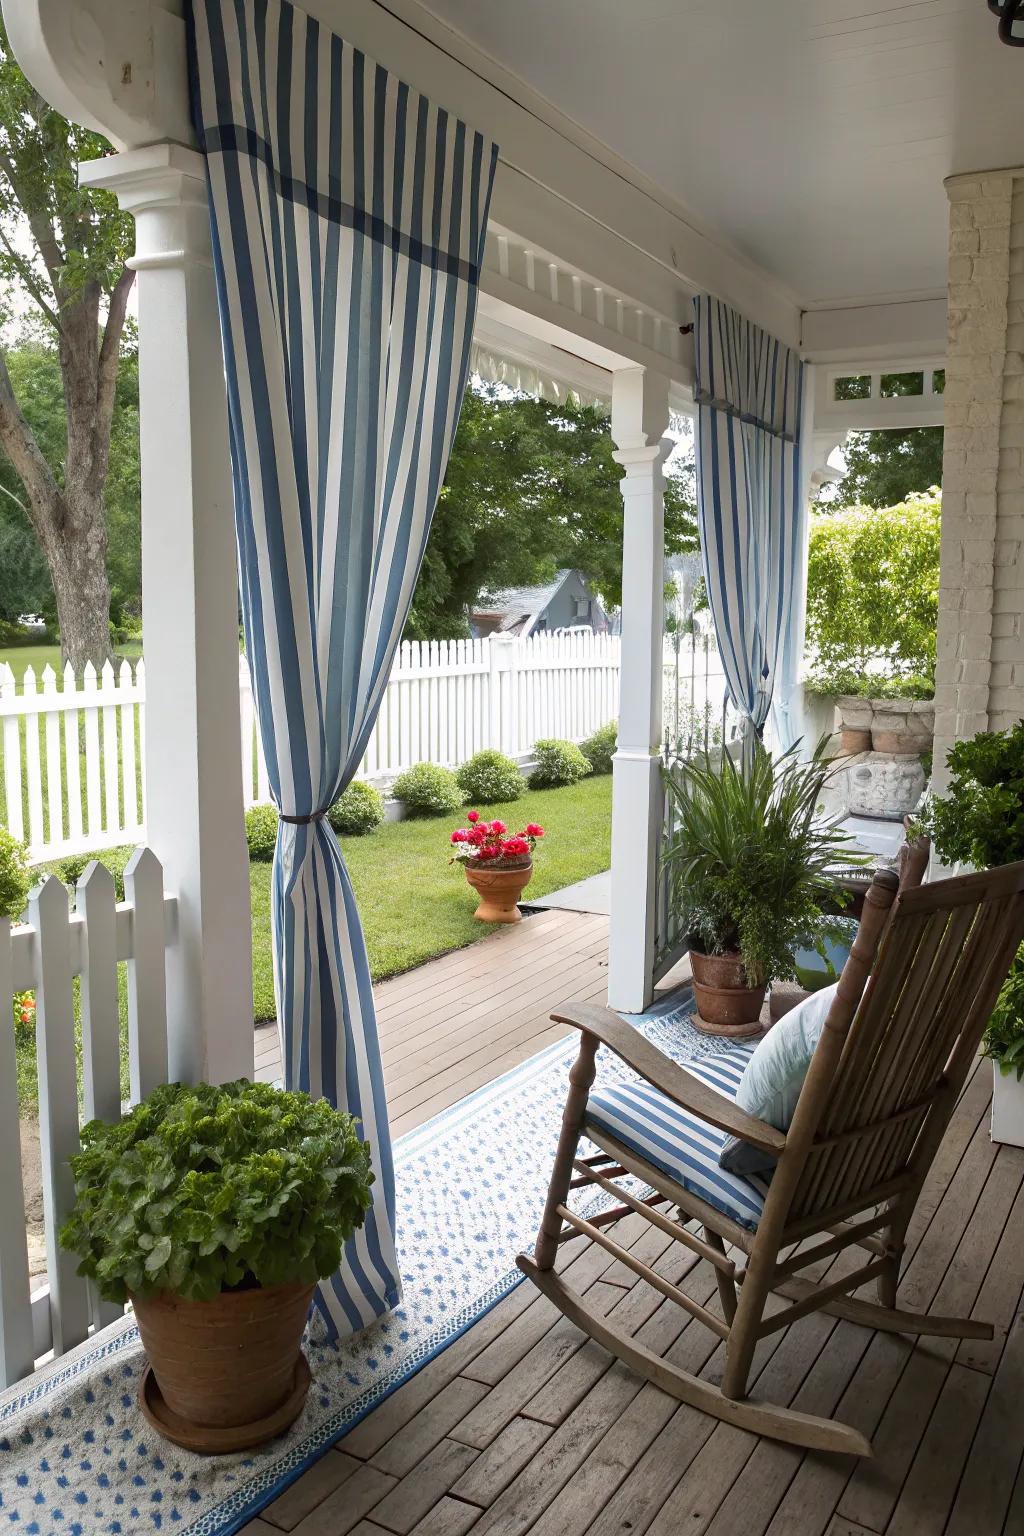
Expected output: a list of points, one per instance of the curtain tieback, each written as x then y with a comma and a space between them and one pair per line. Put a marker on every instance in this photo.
301, 821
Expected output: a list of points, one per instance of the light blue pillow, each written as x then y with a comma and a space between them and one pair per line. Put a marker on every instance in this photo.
774, 1076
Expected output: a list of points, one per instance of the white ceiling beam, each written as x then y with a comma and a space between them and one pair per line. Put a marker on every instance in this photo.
914, 329
121, 69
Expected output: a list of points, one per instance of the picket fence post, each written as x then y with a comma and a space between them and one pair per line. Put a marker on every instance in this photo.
15, 1302
12, 754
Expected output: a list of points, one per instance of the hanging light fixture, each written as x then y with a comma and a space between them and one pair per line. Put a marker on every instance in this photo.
1011, 20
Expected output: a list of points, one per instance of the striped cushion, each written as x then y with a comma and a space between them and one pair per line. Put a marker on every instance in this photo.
681, 1144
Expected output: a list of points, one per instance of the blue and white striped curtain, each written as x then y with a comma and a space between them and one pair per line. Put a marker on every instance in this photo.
349, 216
750, 502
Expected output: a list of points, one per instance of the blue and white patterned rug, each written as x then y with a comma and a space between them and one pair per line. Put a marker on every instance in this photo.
76, 1456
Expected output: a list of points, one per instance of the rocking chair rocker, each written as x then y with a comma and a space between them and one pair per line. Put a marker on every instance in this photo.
899, 1040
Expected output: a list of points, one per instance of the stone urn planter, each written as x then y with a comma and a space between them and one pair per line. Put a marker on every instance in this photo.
726, 1004
901, 727
227, 1374
499, 885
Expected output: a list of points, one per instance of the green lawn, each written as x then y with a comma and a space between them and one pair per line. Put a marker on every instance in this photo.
414, 904
20, 657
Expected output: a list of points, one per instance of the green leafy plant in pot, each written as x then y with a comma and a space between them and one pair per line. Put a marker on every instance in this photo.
215, 1210
979, 821
750, 868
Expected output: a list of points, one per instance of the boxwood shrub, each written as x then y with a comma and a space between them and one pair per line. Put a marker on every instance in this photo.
428, 790
490, 777
261, 832
200, 1190
15, 880
599, 748
358, 809
558, 762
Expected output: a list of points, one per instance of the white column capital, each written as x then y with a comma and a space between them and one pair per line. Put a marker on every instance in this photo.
639, 410
163, 187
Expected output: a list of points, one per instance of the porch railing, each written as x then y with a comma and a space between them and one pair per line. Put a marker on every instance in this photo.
67, 956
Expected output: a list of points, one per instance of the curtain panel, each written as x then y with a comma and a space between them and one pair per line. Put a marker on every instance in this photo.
349, 216
750, 502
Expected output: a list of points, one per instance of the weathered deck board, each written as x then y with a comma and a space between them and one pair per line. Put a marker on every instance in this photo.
524, 1426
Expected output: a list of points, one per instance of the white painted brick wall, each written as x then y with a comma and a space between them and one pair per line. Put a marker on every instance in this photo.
980, 672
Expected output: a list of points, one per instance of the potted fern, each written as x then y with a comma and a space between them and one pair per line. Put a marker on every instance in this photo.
751, 875
214, 1211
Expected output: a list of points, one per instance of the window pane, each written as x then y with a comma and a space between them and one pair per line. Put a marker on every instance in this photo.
855, 388
896, 384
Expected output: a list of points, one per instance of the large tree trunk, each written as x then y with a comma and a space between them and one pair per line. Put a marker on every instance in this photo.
77, 560
70, 519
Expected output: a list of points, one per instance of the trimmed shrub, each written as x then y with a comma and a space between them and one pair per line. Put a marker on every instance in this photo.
261, 832
490, 777
358, 809
428, 790
558, 762
598, 749
71, 868
15, 880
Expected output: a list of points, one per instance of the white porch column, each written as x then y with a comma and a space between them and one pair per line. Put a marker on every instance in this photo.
639, 421
194, 816
979, 679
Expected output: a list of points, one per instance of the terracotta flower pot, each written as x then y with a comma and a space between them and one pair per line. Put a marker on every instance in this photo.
499, 883
229, 1362
727, 1006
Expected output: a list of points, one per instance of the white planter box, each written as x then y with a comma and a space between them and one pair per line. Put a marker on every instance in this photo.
1007, 1108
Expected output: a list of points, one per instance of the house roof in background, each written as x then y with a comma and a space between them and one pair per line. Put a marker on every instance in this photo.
521, 602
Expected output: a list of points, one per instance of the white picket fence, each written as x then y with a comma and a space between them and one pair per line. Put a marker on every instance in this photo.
72, 756
57, 740
64, 939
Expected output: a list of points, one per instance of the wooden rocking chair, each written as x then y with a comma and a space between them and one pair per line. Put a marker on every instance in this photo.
899, 1040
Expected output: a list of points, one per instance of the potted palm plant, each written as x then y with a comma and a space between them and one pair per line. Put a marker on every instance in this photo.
751, 875
214, 1211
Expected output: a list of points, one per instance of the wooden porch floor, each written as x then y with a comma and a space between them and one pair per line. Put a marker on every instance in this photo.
523, 1426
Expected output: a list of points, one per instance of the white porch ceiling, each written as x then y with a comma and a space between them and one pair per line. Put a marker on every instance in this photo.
814, 135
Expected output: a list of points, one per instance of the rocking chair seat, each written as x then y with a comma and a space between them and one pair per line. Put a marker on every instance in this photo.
681, 1144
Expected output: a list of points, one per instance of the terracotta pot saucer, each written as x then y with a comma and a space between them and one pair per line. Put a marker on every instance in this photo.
727, 1031
216, 1440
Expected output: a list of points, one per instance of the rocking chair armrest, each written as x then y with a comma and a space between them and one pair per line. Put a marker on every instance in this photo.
671, 1079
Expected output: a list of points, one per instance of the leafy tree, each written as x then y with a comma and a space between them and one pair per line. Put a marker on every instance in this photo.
884, 468
873, 591
64, 250
25, 586
531, 487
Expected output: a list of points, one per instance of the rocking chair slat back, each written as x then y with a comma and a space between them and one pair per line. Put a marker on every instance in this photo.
944, 954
